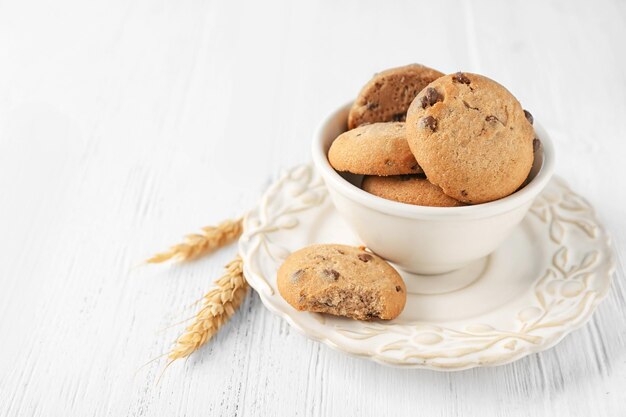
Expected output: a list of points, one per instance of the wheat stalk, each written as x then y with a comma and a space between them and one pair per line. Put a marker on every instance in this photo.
196, 244
218, 306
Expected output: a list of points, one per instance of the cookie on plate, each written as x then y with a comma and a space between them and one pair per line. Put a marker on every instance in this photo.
471, 137
343, 281
409, 189
387, 96
376, 149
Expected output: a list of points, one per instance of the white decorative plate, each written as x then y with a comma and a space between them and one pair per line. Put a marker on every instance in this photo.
541, 284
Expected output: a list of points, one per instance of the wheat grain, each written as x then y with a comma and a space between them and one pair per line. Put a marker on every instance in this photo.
219, 304
195, 245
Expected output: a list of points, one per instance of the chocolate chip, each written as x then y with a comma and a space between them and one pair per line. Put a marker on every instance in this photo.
491, 118
529, 116
372, 106
341, 252
433, 96
459, 77
414, 167
295, 277
331, 274
536, 144
365, 257
398, 288
398, 117
429, 122
464, 193
430, 97
388, 162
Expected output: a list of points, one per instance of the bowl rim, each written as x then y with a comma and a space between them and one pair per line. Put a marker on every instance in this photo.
337, 182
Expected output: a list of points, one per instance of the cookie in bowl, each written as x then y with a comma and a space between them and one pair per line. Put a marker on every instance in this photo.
409, 189
387, 96
374, 149
471, 137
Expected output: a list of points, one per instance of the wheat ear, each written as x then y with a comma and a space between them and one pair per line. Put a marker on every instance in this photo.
218, 306
197, 244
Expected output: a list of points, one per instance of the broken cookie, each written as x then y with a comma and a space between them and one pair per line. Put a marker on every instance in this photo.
343, 281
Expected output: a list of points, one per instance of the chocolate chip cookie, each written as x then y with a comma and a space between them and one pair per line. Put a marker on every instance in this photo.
387, 96
376, 149
409, 189
471, 137
343, 281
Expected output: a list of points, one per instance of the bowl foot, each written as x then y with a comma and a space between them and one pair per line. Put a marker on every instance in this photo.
446, 282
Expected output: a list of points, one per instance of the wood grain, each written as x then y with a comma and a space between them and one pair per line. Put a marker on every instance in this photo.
125, 124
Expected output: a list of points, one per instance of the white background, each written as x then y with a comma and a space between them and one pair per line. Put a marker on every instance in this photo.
125, 124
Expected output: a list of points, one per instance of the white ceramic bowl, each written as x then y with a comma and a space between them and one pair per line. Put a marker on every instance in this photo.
426, 240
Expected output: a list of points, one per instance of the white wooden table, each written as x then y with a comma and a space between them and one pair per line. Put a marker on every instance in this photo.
127, 123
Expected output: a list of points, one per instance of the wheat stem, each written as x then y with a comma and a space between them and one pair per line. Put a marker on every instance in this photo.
218, 305
197, 244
